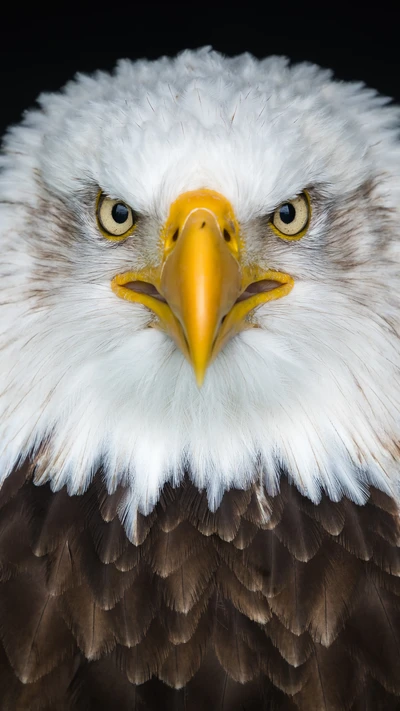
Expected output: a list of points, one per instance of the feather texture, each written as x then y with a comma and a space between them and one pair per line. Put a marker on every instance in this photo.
168, 548
188, 618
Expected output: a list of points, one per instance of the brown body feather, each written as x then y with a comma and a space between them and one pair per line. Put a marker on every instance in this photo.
269, 604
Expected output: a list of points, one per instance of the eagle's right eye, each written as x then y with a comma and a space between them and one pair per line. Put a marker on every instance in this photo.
115, 219
292, 218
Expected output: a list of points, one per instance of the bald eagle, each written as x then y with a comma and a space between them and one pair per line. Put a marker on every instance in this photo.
200, 392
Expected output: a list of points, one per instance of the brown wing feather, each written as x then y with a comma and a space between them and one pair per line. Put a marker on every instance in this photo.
245, 535
147, 657
296, 649
109, 539
252, 604
298, 531
235, 656
184, 587
33, 633
92, 627
354, 535
333, 682
134, 613
329, 514
106, 582
267, 604
64, 567
342, 583
184, 660
180, 626
385, 556
373, 635
171, 549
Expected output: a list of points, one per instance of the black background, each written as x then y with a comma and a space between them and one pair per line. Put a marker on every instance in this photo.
42, 48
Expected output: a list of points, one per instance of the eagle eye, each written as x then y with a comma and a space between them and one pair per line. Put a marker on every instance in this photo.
291, 219
115, 219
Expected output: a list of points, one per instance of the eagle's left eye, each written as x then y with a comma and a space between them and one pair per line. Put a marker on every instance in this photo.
116, 220
291, 219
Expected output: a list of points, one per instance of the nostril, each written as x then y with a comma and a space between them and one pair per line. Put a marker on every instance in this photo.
227, 236
203, 225
175, 235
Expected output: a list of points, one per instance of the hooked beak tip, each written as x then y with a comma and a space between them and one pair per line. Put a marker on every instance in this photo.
200, 374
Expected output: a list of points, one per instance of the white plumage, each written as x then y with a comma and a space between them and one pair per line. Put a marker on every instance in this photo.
314, 390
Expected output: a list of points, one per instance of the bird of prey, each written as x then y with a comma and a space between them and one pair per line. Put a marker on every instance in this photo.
200, 392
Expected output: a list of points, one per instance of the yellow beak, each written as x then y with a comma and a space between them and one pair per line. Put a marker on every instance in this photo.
199, 291
201, 275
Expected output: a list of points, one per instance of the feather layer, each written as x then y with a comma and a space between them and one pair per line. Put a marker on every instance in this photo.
269, 603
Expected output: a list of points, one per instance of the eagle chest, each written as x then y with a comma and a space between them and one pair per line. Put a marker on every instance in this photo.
269, 603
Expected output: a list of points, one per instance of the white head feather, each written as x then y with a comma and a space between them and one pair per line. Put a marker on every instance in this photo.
313, 392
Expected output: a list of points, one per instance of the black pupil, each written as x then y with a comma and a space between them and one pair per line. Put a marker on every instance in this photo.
120, 213
287, 213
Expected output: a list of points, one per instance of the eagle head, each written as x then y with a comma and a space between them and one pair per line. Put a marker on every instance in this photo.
200, 275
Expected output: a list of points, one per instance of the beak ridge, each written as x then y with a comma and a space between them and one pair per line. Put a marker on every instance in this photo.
201, 281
